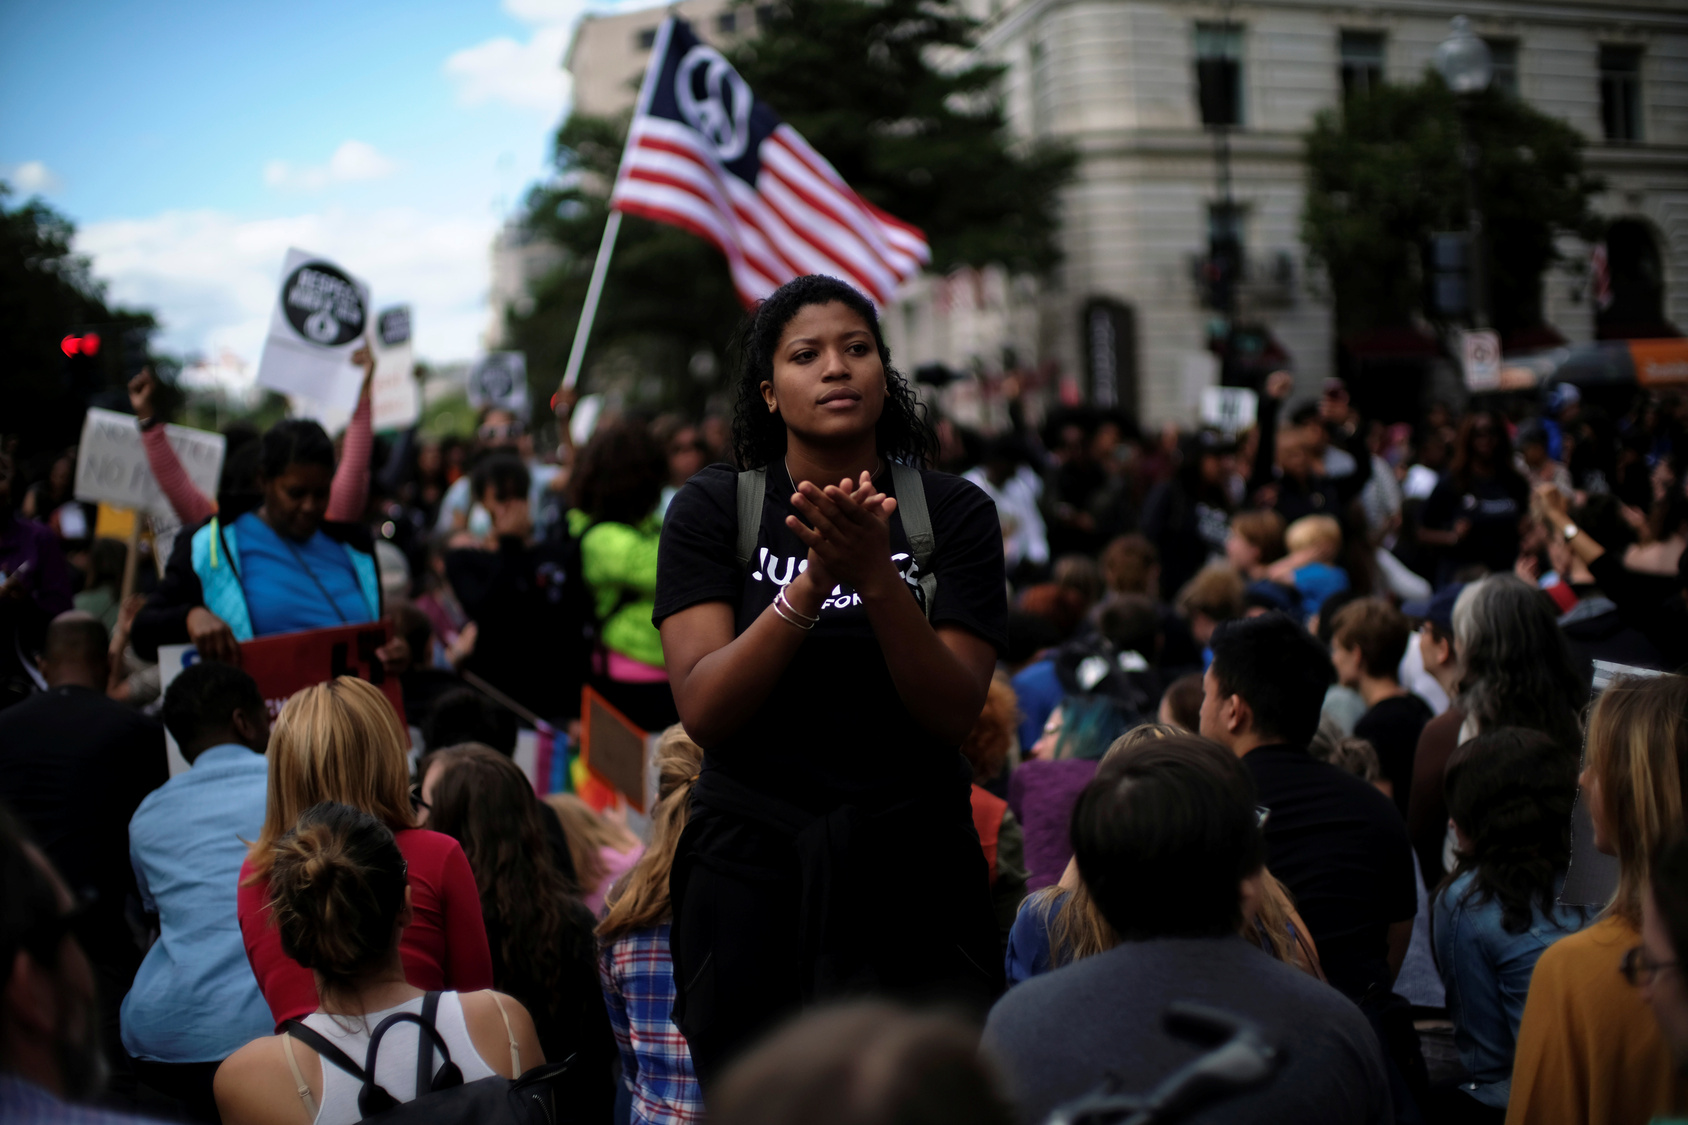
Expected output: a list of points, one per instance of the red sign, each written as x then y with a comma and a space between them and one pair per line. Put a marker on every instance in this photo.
286, 663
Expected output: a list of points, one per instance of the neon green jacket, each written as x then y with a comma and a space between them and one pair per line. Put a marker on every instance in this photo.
619, 560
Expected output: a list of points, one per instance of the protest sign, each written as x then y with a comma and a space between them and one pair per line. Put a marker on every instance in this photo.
499, 379
319, 319
112, 468
1479, 354
1229, 409
285, 663
612, 748
394, 403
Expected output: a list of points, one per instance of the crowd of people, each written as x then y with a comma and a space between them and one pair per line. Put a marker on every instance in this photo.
976, 760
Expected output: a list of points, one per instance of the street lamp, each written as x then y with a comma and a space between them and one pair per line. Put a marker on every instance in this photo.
1464, 63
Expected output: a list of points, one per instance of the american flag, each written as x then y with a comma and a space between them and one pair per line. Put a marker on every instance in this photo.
705, 155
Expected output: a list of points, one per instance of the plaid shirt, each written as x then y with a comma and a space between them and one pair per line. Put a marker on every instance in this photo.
638, 979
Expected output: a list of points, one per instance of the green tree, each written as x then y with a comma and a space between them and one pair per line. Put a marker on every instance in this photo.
48, 292
1384, 173
857, 78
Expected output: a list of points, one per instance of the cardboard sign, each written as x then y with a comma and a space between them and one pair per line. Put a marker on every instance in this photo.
1229, 409
321, 315
111, 462
612, 748
394, 403
284, 664
1479, 353
500, 380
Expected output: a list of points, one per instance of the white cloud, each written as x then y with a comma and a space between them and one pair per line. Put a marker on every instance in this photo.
32, 178
352, 161
526, 75
211, 277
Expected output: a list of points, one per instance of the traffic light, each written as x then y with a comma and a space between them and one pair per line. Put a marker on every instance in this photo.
1222, 271
86, 344
1450, 275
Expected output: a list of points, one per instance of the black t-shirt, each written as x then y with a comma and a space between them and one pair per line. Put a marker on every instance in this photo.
1341, 848
1392, 726
1494, 506
833, 730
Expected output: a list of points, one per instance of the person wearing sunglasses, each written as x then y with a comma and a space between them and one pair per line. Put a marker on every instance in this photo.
501, 433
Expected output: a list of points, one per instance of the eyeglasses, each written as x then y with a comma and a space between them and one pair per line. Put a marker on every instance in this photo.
416, 801
1639, 969
1261, 812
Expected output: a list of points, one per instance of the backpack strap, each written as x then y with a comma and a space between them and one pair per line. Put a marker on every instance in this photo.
752, 490
424, 1045
373, 1099
917, 526
328, 1051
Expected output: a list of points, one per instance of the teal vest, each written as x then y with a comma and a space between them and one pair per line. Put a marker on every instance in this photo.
216, 561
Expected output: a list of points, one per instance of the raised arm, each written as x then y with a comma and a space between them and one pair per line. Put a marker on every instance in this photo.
191, 506
350, 492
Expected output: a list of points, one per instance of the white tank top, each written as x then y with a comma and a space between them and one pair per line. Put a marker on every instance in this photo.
395, 1066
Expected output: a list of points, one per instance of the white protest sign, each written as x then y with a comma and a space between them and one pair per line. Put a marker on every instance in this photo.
500, 380
171, 660
112, 468
394, 403
320, 315
1229, 409
1479, 352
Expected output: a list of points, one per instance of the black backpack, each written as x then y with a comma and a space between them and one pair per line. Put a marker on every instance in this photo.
911, 506
443, 1098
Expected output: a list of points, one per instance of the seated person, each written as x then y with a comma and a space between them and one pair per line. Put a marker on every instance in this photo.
1368, 639
1168, 842
195, 1001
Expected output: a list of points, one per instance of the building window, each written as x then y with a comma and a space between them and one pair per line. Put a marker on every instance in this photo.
1620, 93
646, 38
1219, 73
764, 15
726, 23
1503, 65
1362, 62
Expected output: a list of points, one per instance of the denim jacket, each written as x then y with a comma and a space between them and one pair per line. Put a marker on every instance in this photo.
1486, 971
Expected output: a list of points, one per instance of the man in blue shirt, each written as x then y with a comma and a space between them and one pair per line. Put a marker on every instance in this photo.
195, 999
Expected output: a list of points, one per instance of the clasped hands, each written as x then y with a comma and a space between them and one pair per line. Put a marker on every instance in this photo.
847, 528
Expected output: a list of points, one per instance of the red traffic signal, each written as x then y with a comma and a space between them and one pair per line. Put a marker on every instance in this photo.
81, 345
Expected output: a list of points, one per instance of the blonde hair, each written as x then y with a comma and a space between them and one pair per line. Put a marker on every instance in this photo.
1638, 752
588, 832
640, 900
1077, 929
1315, 532
337, 741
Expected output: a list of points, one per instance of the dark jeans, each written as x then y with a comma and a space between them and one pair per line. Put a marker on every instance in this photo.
186, 1084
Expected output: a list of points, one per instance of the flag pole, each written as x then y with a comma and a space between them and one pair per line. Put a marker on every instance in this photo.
594, 290
601, 267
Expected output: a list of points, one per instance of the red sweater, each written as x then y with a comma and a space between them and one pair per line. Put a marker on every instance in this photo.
444, 946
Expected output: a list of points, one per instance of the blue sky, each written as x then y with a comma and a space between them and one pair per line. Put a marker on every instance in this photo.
193, 142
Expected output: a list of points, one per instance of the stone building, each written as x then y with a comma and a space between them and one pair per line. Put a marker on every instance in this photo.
1122, 81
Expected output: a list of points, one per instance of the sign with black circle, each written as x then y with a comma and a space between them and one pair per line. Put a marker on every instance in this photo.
499, 379
393, 326
323, 304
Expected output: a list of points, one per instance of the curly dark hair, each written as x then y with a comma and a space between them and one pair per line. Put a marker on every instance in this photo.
621, 472
904, 431
1510, 791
